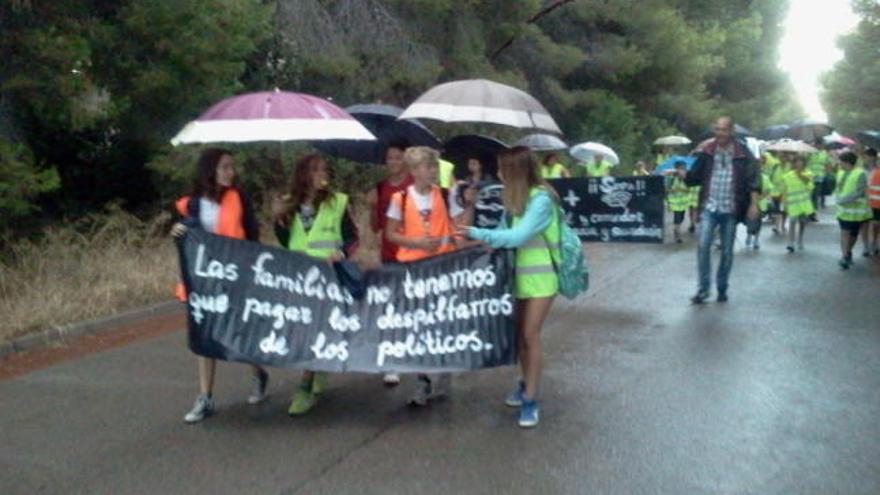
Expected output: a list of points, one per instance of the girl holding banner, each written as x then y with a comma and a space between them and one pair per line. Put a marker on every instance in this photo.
314, 220
534, 232
217, 205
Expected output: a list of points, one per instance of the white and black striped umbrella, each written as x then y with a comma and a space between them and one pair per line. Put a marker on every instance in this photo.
481, 100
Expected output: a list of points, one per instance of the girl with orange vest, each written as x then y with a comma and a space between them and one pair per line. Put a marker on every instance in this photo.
314, 220
422, 221
218, 206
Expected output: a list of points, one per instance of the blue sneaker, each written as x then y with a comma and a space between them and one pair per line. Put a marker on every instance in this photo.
515, 399
528, 413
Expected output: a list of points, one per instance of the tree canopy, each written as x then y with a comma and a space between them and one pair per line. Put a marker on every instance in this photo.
94, 90
850, 92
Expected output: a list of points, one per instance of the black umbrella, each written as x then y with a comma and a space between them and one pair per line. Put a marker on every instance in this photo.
382, 121
460, 149
870, 138
809, 131
774, 132
739, 130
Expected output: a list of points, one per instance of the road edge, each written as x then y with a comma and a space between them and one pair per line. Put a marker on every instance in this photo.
103, 324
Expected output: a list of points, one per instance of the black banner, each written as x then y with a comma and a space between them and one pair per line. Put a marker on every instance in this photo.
489, 207
269, 306
614, 209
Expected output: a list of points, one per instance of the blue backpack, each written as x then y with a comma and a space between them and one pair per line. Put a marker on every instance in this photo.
571, 267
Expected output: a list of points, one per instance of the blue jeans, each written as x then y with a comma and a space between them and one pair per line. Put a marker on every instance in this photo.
726, 224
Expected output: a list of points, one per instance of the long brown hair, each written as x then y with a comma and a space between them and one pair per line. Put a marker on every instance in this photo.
520, 173
205, 183
301, 183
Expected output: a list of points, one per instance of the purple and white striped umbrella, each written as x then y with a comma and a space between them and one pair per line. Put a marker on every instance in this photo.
272, 116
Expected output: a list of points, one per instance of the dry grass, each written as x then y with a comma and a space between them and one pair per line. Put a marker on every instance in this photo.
101, 265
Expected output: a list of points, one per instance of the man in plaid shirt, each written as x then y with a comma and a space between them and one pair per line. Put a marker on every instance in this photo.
730, 180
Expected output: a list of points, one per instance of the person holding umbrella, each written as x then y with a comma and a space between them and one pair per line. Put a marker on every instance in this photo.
313, 219
599, 167
217, 205
852, 204
797, 186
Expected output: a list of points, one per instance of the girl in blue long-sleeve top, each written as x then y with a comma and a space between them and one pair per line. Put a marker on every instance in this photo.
534, 233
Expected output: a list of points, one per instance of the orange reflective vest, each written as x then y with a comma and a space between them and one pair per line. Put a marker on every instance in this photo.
229, 224
414, 226
874, 189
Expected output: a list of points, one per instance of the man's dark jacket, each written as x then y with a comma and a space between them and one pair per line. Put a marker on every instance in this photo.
746, 177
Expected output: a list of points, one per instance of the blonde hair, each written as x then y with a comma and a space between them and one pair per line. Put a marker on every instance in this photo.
417, 155
520, 172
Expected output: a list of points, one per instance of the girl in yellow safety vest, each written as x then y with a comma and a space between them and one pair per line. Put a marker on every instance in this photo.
534, 233
678, 198
314, 220
797, 189
853, 210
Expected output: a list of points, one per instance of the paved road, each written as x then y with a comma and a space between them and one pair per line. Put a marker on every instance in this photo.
776, 392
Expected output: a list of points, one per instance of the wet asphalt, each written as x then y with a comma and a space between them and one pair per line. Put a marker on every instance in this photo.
775, 392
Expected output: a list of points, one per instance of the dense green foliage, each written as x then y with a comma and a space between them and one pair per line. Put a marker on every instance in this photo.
850, 89
96, 89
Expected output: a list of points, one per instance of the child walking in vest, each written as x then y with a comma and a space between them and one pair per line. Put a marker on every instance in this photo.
314, 220
422, 223
678, 199
753, 231
797, 189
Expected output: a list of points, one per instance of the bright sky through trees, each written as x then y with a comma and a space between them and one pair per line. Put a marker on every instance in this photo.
809, 46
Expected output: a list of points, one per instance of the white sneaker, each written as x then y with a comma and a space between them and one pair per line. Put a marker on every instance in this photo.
431, 388
203, 408
260, 384
391, 379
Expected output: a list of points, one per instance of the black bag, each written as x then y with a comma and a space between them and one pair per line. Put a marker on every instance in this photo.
351, 277
828, 185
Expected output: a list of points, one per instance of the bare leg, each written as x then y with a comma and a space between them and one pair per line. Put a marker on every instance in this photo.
207, 369
533, 318
803, 225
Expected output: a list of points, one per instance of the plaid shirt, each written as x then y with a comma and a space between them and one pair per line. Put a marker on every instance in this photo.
720, 198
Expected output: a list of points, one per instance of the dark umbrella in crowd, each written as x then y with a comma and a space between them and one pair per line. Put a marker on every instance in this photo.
870, 138
774, 132
809, 131
484, 148
383, 122
739, 131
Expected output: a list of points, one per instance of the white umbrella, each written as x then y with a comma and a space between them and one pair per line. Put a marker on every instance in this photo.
586, 151
791, 146
672, 141
542, 142
481, 100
